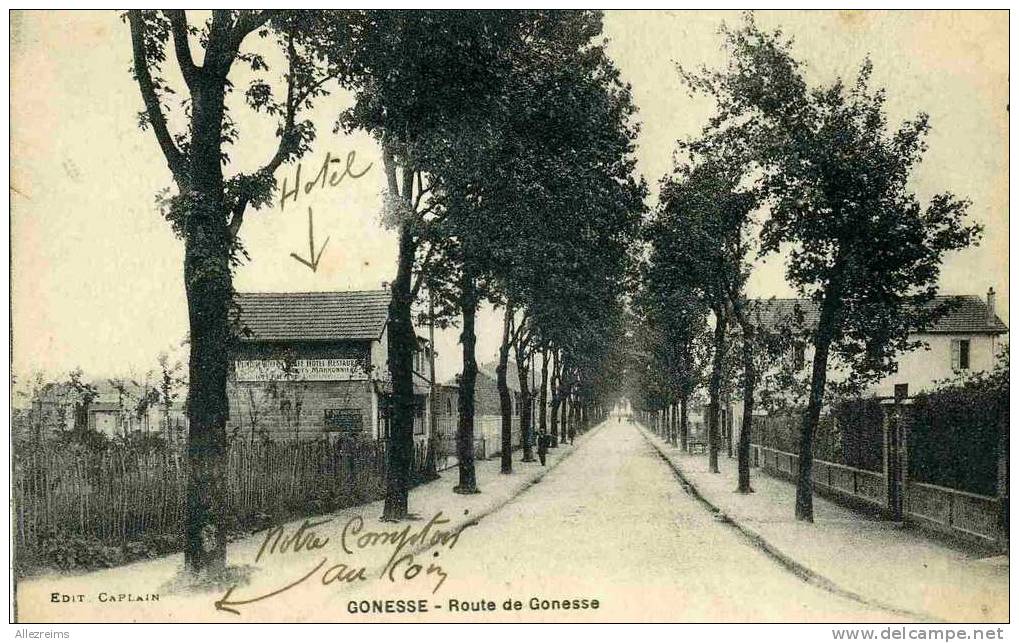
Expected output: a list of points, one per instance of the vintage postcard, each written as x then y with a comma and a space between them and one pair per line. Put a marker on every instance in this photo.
568, 316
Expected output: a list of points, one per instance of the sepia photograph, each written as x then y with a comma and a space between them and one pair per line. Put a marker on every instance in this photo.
510, 316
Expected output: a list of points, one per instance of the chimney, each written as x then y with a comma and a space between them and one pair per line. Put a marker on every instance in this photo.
990, 306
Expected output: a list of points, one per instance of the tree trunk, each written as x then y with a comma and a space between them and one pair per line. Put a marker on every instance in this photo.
431, 456
465, 404
525, 409
714, 386
505, 401
208, 287
543, 397
567, 410
684, 424
818, 379
749, 383
728, 428
554, 386
402, 343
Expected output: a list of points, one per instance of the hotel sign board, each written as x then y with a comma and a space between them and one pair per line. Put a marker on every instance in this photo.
307, 370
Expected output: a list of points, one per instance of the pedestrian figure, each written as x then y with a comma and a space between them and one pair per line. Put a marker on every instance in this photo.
572, 433
543, 443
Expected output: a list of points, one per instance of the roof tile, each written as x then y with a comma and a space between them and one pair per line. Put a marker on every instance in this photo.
283, 316
968, 314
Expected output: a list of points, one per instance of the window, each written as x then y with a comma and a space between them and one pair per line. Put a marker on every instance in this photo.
449, 407
960, 354
345, 420
419, 414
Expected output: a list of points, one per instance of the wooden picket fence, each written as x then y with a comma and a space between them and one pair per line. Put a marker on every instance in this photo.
123, 494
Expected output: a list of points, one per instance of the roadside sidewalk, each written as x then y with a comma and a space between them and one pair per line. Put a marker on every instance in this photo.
34, 595
850, 553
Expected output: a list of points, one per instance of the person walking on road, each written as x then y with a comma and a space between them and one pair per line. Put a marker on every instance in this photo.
543, 444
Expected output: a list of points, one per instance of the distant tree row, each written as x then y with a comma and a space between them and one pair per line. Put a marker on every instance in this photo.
815, 172
507, 146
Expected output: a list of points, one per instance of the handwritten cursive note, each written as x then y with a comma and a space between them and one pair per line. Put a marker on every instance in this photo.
402, 545
329, 176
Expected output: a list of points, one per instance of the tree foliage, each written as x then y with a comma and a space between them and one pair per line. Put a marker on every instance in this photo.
835, 178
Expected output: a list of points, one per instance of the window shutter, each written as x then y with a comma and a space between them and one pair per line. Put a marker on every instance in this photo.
956, 354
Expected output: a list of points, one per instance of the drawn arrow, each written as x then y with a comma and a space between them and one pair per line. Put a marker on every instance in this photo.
222, 603
312, 260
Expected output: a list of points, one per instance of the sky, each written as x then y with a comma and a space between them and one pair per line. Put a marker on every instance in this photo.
96, 276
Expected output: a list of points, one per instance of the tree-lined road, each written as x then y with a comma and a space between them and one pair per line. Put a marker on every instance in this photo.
613, 523
609, 522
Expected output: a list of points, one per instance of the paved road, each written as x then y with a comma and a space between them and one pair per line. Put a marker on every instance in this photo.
609, 523
613, 523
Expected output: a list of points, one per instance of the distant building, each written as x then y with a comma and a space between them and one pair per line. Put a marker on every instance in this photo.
488, 408
315, 364
116, 411
964, 340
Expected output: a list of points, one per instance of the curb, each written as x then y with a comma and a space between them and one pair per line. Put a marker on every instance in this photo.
463, 524
527, 485
787, 562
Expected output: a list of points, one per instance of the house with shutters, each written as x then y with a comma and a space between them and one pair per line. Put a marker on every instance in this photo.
966, 339
308, 365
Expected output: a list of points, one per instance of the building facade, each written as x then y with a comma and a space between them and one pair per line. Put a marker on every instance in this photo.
487, 411
315, 365
966, 339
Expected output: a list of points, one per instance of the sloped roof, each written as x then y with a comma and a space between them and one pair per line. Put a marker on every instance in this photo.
512, 379
488, 370
967, 314
314, 316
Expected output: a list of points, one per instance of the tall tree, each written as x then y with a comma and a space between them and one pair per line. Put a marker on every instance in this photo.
836, 178
672, 318
701, 239
208, 208
427, 83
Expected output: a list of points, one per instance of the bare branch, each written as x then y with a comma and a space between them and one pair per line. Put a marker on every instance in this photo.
174, 158
248, 22
422, 271
519, 330
303, 96
389, 163
287, 132
238, 217
422, 191
179, 25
